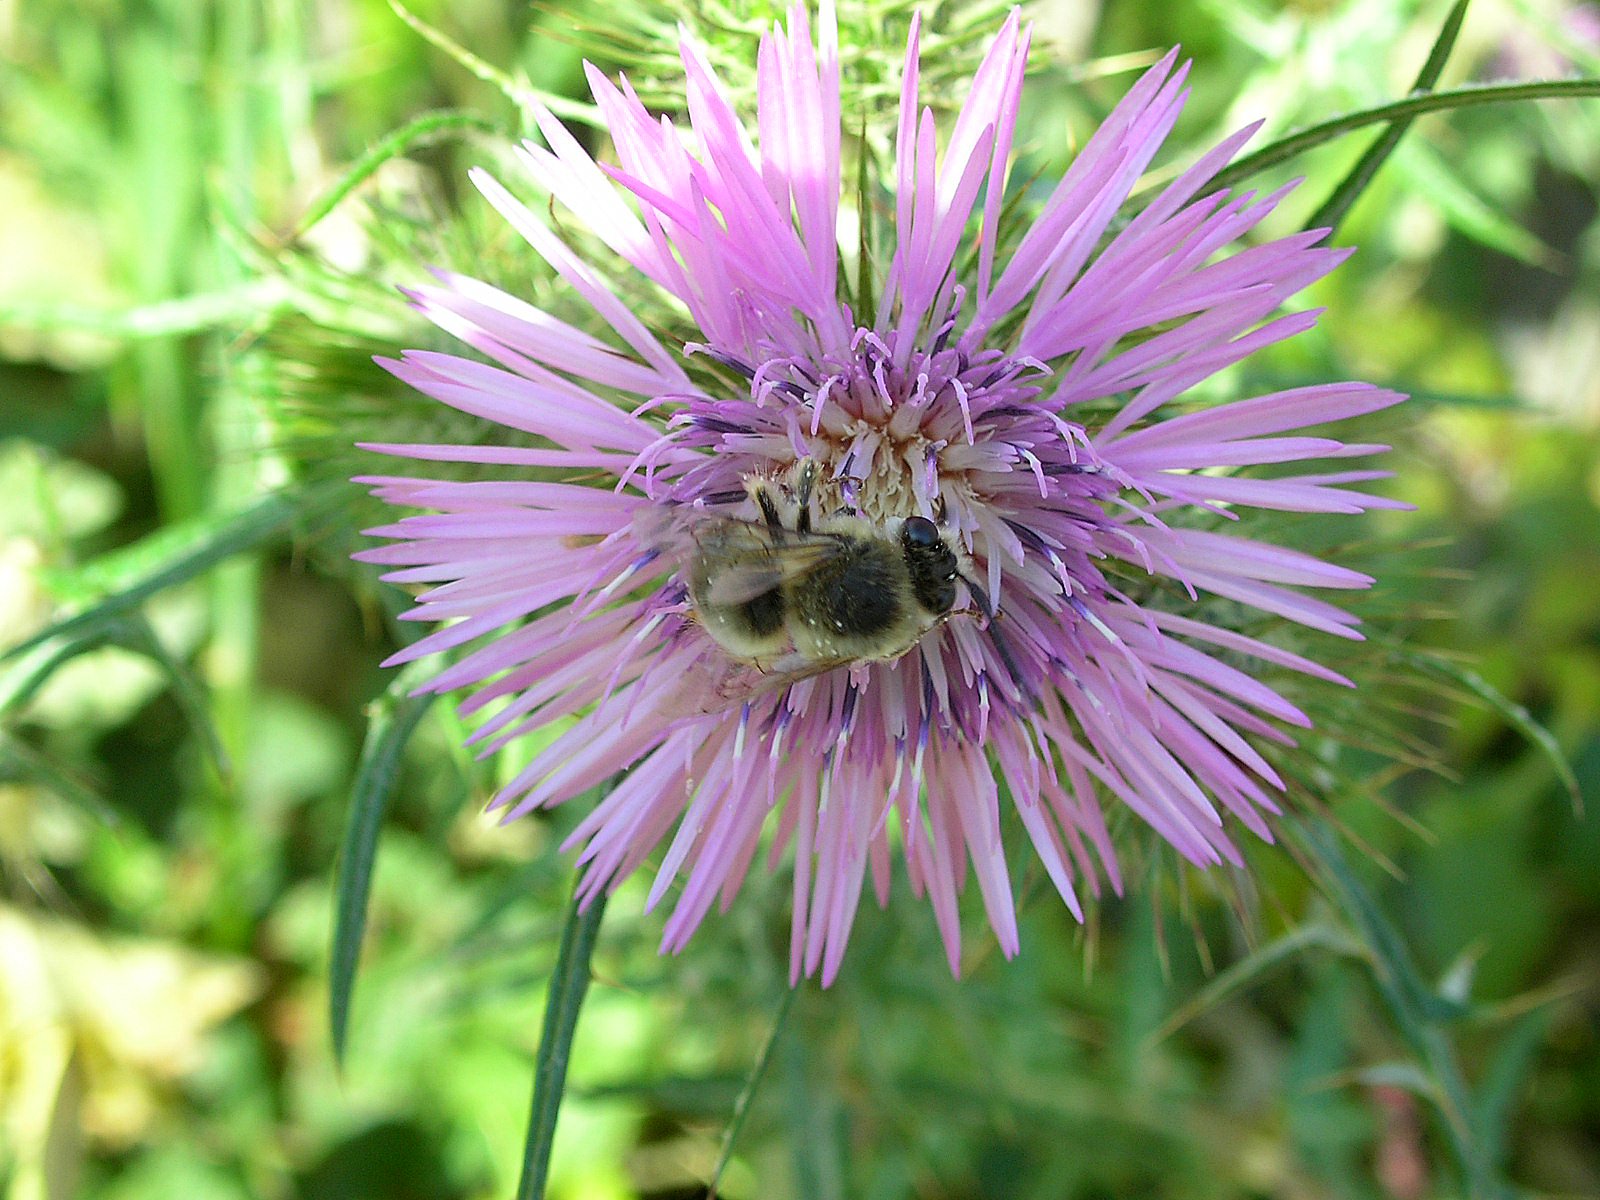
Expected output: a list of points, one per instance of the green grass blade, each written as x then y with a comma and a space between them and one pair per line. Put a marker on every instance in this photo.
28, 673
1407, 1076
18, 760
135, 633
1514, 714
1428, 175
1258, 964
423, 131
568, 984
741, 1106
519, 92
124, 579
242, 304
866, 296
1502, 1083
1332, 210
396, 718
1418, 1011
1413, 1001
1411, 107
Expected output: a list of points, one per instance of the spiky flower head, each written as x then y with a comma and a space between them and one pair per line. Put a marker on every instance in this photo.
1022, 405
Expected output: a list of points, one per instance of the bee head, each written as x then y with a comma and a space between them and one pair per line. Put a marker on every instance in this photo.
931, 563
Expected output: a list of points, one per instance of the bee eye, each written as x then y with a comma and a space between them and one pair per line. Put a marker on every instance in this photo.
919, 531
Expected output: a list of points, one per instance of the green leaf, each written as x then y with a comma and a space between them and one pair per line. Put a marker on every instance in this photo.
519, 92
1412, 106
1332, 210
426, 129
1431, 178
18, 760
135, 633
226, 308
1259, 963
866, 295
124, 579
1418, 1012
394, 720
1502, 1082
1515, 715
27, 673
568, 984
1407, 1076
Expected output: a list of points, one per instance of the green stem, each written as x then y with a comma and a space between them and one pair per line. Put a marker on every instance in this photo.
1339, 202
741, 1106
1412, 106
568, 984
425, 130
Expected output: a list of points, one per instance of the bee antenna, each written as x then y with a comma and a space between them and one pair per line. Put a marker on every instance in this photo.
1002, 647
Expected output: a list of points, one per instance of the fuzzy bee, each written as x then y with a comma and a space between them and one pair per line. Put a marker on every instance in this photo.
790, 596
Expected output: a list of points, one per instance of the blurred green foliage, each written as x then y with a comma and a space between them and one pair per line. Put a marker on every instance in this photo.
206, 210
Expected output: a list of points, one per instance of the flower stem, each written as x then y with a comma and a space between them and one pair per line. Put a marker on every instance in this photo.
1399, 110
568, 983
1334, 208
741, 1107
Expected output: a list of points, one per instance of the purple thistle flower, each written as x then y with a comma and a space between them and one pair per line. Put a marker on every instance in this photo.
961, 403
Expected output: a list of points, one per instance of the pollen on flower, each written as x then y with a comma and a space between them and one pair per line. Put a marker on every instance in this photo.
699, 619
922, 433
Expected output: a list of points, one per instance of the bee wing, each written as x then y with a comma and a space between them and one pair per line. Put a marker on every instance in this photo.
720, 683
741, 560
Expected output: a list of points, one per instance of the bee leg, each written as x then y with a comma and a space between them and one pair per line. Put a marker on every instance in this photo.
769, 507
980, 601
805, 478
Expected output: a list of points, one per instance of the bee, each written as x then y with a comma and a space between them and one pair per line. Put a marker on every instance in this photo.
792, 596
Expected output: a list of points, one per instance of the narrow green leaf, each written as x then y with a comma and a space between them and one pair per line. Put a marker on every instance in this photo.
225, 308
1514, 714
741, 1106
1429, 176
812, 1110
426, 129
124, 579
1405, 1075
1412, 106
18, 760
23, 678
1332, 210
1419, 1013
29, 672
866, 295
1502, 1082
1236, 977
1408, 994
568, 984
135, 633
394, 720
519, 92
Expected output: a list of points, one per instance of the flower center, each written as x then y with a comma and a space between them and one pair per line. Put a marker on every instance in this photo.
894, 433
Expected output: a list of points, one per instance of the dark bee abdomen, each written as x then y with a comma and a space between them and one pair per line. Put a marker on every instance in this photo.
855, 593
764, 614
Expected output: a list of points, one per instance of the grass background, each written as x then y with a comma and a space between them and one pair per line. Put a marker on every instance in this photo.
181, 343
